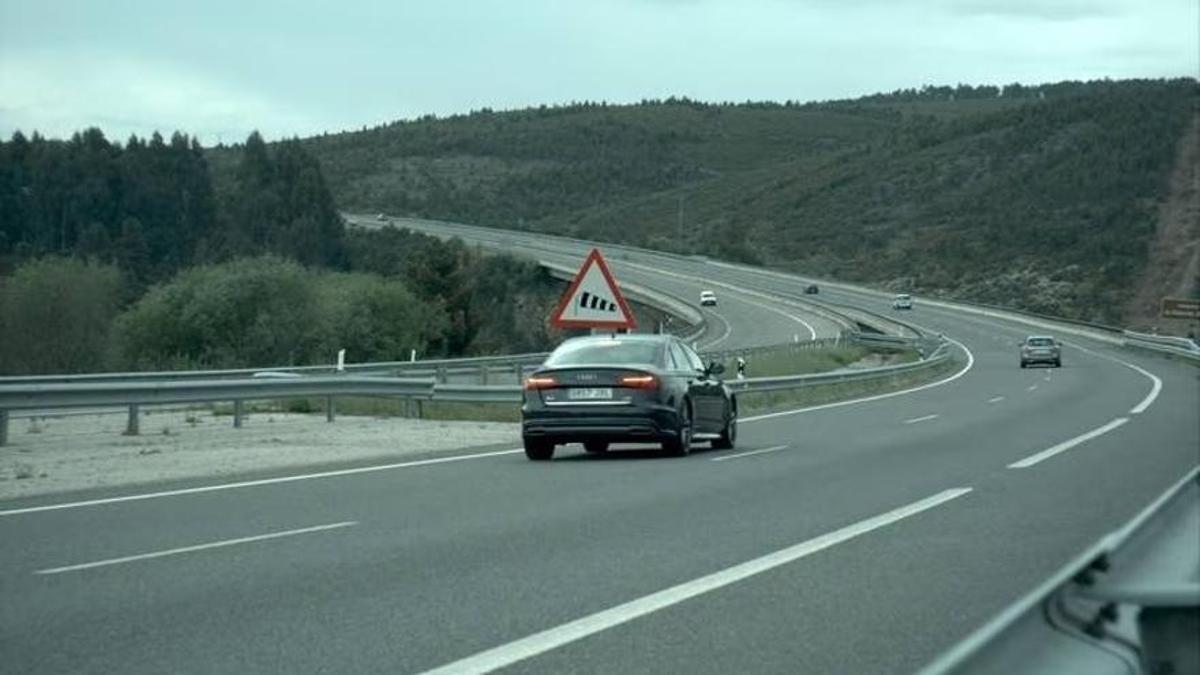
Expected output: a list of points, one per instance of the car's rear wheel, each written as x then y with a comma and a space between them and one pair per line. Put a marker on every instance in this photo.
681, 445
596, 447
1022, 364
1058, 363
729, 434
538, 450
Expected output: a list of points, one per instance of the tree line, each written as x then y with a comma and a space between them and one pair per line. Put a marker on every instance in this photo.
140, 256
150, 206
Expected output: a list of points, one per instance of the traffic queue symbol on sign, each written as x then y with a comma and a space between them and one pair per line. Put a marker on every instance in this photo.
589, 301
593, 299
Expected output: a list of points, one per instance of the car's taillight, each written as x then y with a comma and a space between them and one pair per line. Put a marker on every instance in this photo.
645, 381
540, 382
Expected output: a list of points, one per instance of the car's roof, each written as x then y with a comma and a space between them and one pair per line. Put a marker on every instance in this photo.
707, 292
1039, 337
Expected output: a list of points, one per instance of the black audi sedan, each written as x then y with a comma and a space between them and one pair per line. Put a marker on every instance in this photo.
598, 390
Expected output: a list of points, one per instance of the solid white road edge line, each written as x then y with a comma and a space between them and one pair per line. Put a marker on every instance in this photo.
1032, 387
538, 643
253, 483
1067, 445
995, 399
1156, 383
773, 448
926, 418
724, 336
876, 397
198, 547
1155, 387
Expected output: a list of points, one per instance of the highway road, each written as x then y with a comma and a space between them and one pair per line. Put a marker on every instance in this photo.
742, 318
854, 538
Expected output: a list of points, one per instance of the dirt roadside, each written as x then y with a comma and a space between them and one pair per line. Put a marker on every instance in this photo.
61, 454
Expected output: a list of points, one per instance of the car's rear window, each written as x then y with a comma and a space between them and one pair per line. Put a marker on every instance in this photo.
607, 351
1040, 342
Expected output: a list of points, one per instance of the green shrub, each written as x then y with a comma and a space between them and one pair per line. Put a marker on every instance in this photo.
55, 315
270, 312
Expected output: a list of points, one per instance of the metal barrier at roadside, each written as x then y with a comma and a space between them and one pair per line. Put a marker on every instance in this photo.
1178, 346
1129, 603
135, 394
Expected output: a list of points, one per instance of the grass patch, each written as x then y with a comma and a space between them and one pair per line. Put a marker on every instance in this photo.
797, 360
764, 402
473, 412
381, 406
433, 410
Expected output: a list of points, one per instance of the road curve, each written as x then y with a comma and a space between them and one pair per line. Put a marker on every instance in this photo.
750, 318
861, 537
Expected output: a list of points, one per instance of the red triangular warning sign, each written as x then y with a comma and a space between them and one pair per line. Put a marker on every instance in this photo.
593, 299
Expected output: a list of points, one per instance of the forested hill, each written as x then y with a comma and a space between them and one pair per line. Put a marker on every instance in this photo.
1043, 197
137, 256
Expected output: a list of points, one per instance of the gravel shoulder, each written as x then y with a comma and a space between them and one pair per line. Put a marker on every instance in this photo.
76, 452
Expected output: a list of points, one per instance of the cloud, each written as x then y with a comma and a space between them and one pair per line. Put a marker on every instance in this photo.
1046, 10
56, 95
225, 67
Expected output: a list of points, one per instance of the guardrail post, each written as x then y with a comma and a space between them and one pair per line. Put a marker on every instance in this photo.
132, 425
238, 412
330, 411
519, 370
483, 374
441, 375
3, 428
420, 409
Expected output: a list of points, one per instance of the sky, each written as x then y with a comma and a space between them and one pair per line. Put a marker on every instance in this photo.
219, 69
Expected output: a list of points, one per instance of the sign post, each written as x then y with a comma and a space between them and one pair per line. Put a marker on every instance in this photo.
593, 299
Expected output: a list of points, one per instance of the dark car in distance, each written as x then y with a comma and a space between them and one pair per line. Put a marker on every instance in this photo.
598, 390
811, 289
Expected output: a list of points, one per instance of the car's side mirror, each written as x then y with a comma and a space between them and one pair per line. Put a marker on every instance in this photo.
715, 368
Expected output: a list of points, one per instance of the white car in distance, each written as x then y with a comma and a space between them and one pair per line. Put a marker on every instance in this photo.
708, 299
902, 301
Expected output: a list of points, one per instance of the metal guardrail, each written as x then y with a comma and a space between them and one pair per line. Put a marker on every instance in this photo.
35, 396
429, 367
135, 393
478, 393
512, 393
1128, 604
1178, 346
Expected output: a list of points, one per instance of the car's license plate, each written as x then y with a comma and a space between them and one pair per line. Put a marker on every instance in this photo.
590, 393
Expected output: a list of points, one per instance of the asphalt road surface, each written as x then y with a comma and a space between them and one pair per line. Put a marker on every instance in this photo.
854, 538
